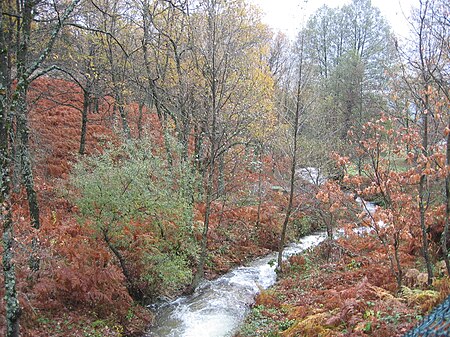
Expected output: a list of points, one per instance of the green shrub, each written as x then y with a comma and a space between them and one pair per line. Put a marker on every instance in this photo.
302, 226
141, 206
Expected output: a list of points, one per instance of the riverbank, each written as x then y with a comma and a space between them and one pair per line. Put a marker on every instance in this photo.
342, 288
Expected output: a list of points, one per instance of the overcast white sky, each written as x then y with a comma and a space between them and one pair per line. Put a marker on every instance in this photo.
288, 15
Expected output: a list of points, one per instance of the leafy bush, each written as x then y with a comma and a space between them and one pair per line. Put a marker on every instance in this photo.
141, 206
165, 273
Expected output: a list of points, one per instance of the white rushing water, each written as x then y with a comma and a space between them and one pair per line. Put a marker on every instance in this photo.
218, 307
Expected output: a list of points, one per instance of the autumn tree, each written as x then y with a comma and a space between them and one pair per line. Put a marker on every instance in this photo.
389, 185
167, 63
9, 274
425, 63
116, 42
441, 76
435, 27
79, 58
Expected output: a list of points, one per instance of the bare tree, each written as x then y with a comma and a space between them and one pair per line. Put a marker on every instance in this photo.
300, 104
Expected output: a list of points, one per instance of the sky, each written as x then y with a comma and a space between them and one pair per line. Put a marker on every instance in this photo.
288, 15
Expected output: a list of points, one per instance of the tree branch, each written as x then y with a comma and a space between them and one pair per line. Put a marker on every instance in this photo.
99, 31
44, 54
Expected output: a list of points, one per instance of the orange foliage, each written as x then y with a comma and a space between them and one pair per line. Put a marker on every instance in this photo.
55, 118
234, 236
346, 295
268, 299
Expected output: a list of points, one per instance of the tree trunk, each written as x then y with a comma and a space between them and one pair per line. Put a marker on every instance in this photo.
139, 121
21, 111
198, 145
399, 274
12, 308
209, 196
213, 146
27, 171
291, 199
423, 204
293, 164
260, 171
184, 124
221, 176
447, 207
123, 117
329, 223
133, 291
84, 121
204, 244
423, 189
17, 165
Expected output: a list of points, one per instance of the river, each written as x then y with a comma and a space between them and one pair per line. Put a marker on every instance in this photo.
218, 307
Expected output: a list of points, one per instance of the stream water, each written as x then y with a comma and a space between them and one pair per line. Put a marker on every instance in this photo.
218, 307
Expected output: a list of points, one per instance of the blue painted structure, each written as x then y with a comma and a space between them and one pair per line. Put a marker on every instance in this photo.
436, 324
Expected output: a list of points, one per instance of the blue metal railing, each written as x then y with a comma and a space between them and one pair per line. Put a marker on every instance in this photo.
436, 324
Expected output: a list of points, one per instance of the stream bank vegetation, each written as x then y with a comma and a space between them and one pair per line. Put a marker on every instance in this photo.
343, 289
146, 145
